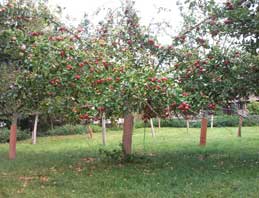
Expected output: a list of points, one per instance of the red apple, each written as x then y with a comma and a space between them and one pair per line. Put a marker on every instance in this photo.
77, 76
129, 42
81, 64
62, 53
228, 21
69, 67
164, 78
229, 6
151, 41
62, 29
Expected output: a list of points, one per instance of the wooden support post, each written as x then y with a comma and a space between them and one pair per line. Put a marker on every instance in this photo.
103, 129
239, 126
159, 122
187, 124
12, 139
203, 135
34, 132
187, 119
51, 124
211, 121
127, 134
152, 128
90, 131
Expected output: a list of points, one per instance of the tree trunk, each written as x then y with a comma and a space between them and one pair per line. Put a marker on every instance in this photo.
34, 132
127, 134
240, 126
103, 129
51, 124
203, 135
152, 128
211, 121
12, 139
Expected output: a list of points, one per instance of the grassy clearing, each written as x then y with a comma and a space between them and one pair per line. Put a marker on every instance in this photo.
174, 166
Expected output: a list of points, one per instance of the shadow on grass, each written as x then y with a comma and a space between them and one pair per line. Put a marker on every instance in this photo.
190, 158
181, 173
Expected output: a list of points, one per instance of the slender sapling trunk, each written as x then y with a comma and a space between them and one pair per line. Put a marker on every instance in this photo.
152, 128
34, 132
103, 129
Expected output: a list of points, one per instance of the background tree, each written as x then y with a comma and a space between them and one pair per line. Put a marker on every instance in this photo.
218, 74
21, 22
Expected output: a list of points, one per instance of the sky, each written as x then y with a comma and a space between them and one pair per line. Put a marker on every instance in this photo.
75, 9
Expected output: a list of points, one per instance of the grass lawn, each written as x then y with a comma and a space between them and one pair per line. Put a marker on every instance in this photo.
174, 166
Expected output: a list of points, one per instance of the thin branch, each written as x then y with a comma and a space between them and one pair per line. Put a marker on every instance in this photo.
184, 33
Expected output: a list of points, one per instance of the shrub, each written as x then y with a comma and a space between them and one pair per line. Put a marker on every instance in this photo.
253, 108
140, 124
114, 128
5, 133
233, 121
111, 155
72, 130
252, 120
219, 121
96, 128
166, 123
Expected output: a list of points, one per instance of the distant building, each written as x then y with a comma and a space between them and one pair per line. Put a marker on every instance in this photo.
239, 107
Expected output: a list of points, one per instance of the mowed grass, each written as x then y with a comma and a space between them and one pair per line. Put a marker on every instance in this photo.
174, 166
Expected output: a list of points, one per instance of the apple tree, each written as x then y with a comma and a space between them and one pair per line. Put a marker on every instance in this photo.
217, 66
19, 22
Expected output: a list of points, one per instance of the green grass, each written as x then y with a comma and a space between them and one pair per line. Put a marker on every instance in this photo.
174, 166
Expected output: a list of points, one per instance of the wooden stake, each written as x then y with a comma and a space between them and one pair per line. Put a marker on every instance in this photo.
240, 126
159, 122
104, 129
34, 132
90, 131
211, 121
187, 125
152, 128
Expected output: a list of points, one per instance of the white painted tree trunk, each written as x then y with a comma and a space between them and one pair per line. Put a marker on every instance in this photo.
159, 122
103, 129
187, 125
152, 128
211, 121
34, 132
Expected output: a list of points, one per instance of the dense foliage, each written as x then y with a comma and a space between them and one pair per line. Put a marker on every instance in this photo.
253, 108
119, 67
